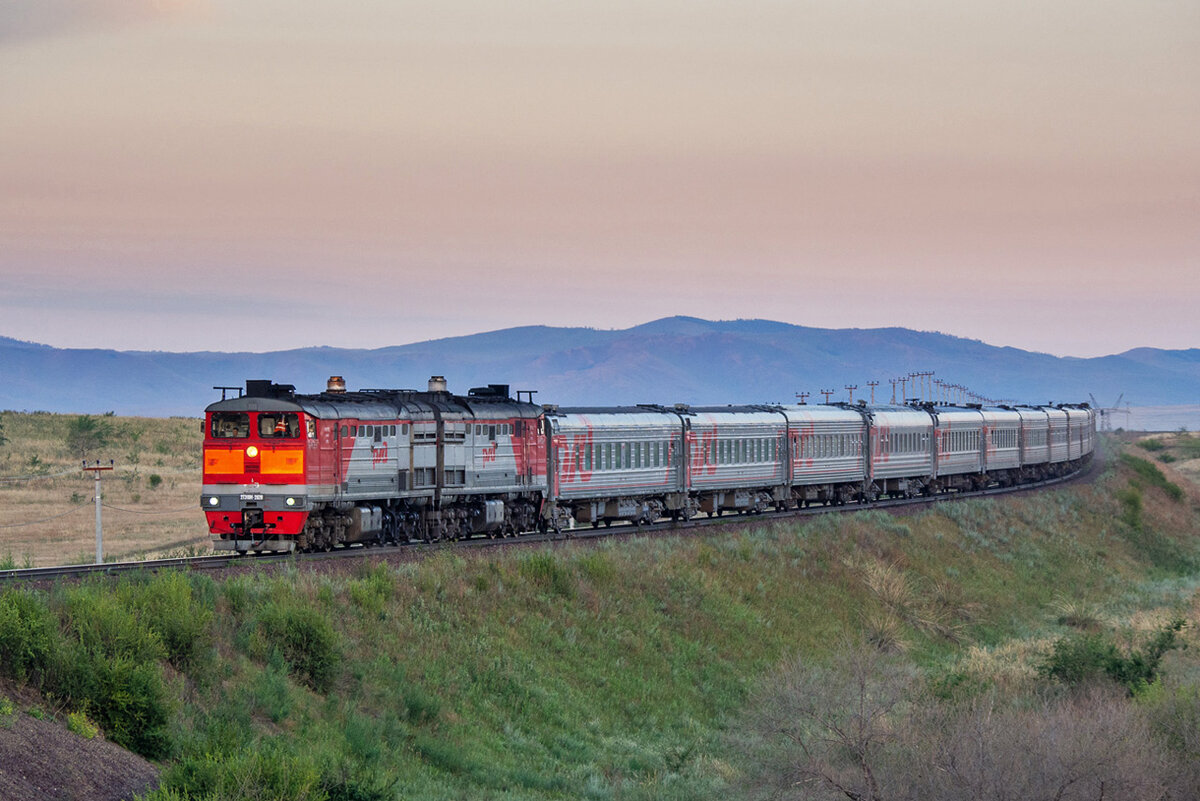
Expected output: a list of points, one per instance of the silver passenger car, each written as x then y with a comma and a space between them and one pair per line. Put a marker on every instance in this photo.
615, 463
959, 440
1058, 437
737, 456
826, 444
1002, 439
1035, 435
901, 446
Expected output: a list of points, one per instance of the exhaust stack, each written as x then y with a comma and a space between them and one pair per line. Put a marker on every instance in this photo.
336, 385
437, 383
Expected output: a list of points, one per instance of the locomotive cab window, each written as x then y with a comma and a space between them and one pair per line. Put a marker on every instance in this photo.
279, 425
230, 425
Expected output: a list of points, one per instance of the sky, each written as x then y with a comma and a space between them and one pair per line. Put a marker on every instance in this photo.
259, 175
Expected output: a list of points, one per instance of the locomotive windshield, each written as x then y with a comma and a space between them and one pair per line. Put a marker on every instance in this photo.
279, 425
230, 425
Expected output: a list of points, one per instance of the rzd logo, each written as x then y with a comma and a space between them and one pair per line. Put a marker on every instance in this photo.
379, 455
489, 453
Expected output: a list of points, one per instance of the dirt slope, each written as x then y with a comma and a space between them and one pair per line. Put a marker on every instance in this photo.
40, 760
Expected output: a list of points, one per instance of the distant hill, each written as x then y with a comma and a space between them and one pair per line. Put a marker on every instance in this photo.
676, 359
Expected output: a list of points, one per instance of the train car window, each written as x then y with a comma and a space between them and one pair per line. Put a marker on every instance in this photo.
492, 433
627, 449
378, 433
608, 456
311, 426
230, 425
587, 459
519, 428
345, 431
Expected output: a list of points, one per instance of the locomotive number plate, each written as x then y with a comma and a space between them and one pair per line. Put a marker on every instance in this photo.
250, 496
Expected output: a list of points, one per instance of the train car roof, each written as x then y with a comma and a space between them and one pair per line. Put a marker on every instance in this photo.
822, 413
611, 417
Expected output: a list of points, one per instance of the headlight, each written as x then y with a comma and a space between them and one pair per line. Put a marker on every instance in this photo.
252, 451
214, 501
290, 501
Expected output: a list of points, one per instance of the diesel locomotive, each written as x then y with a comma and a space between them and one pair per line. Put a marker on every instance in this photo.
288, 471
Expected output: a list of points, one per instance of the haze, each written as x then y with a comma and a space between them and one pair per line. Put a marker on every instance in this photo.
264, 175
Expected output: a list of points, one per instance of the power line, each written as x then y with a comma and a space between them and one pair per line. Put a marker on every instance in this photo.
43, 520
140, 512
39, 475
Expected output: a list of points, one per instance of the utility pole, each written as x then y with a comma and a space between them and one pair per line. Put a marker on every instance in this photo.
893, 380
803, 397
97, 469
827, 393
872, 385
851, 389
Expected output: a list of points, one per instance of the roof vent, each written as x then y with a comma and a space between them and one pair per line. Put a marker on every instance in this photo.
437, 383
336, 385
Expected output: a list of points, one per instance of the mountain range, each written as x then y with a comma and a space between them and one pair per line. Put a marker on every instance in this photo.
675, 359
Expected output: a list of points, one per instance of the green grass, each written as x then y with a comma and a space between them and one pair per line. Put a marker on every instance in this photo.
604, 671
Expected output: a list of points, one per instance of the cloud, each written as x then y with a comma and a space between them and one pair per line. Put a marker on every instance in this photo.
24, 20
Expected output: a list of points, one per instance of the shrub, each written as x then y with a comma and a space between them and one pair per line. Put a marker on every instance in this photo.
1152, 444
127, 698
271, 770
154, 480
28, 635
1083, 658
1130, 499
1150, 472
78, 723
171, 610
303, 637
86, 434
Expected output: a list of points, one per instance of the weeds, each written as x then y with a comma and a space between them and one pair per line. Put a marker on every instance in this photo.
78, 723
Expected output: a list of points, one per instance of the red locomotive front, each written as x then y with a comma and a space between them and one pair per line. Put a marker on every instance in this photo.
255, 484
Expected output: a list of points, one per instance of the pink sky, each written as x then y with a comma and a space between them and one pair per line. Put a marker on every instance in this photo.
259, 175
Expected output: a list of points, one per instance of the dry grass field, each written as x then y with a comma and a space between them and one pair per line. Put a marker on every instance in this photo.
151, 497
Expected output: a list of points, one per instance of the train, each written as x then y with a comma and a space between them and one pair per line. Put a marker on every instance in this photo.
286, 471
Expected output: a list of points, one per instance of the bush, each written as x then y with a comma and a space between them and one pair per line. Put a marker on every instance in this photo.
1150, 472
269, 772
86, 434
1152, 444
28, 635
1130, 499
154, 480
1083, 658
169, 607
78, 723
303, 637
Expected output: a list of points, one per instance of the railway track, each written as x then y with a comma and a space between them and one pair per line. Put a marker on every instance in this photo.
220, 562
